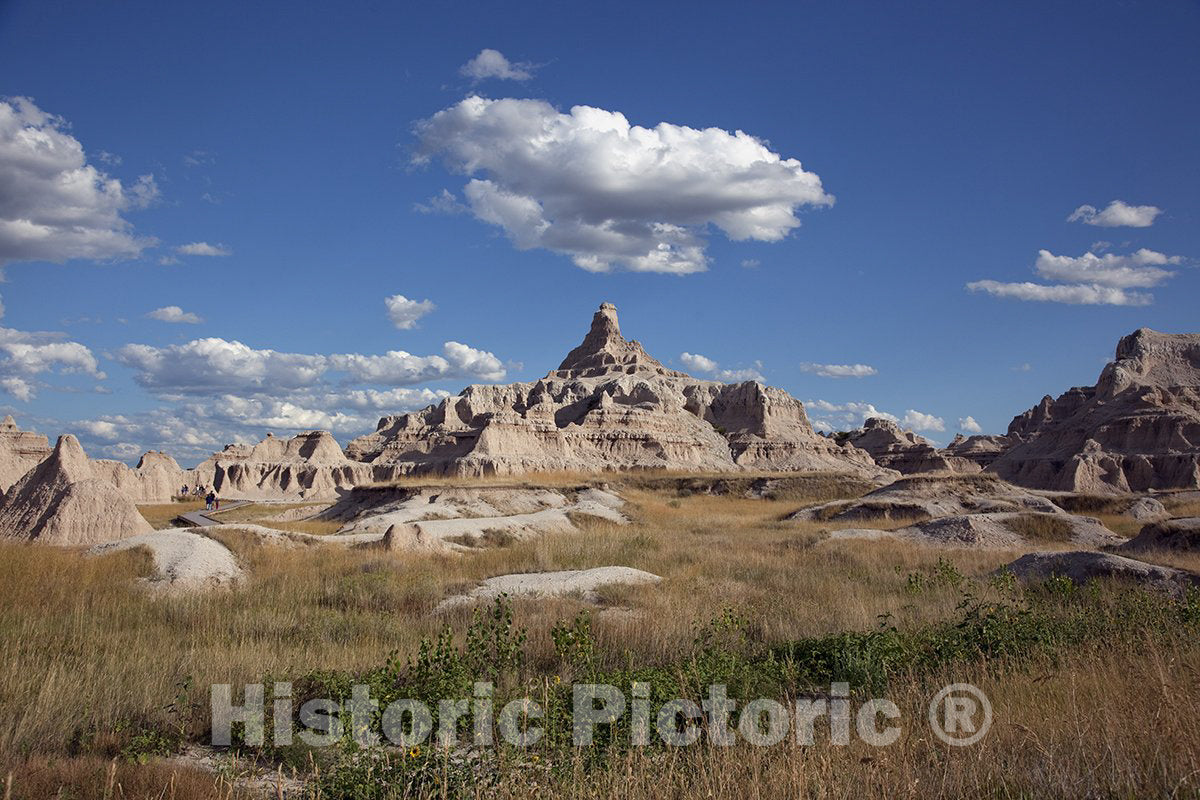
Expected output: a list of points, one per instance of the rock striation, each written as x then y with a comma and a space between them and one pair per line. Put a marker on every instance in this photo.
1136, 430
309, 466
904, 451
608, 406
20, 451
62, 502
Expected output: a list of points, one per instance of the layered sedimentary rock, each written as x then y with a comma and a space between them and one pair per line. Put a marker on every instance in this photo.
20, 451
608, 406
904, 451
61, 501
308, 466
981, 449
156, 478
1137, 429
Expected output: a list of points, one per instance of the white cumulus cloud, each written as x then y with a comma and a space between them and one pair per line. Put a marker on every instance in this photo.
54, 206
492, 64
405, 313
919, 421
699, 363
175, 314
969, 425
1089, 279
839, 370
1141, 269
1117, 214
609, 194
1073, 295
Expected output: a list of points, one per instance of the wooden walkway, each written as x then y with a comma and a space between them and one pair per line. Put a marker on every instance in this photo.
202, 519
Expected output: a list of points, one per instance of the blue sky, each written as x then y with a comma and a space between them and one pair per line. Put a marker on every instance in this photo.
893, 154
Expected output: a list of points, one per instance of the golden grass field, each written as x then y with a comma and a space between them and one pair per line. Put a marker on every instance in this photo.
88, 659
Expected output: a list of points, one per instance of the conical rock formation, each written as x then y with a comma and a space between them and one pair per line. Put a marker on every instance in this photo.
608, 406
61, 502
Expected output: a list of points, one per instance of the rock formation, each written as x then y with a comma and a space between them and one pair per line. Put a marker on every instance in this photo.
931, 497
1137, 429
310, 465
61, 501
982, 449
608, 406
1081, 567
20, 451
1171, 534
904, 451
156, 479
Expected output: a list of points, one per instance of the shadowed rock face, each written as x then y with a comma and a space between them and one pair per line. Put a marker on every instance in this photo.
1137, 429
609, 406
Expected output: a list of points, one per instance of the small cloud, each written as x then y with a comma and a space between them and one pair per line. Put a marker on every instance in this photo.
919, 421
405, 313
143, 192
112, 159
1117, 214
699, 363
174, 314
203, 249
1026, 367
199, 158
1100, 246
751, 263
492, 64
969, 425
839, 370
444, 203
167, 261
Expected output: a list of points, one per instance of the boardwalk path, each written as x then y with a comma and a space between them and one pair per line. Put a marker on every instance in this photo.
202, 519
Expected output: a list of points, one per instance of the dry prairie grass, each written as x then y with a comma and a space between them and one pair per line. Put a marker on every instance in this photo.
163, 515
84, 654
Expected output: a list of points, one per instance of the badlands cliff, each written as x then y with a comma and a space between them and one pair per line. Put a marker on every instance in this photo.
904, 451
1137, 429
61, 501
20, 451
608, 406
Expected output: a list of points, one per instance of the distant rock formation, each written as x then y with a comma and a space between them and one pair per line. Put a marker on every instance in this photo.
1137, 429
608, 406
156, 478
904, 451
981, 449
20, 451
310, 466
62, 502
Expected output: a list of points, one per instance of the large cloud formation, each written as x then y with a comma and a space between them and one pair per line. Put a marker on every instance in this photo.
54, 206
609, 194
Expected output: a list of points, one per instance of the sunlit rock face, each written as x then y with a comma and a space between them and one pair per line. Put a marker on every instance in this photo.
608, 406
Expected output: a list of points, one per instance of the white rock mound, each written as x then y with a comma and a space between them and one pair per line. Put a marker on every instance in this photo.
937, 495
460, 518
60, 501
183, 560
992, 531
584, 582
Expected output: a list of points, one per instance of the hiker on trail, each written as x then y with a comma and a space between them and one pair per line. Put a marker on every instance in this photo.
208, 501
216, 502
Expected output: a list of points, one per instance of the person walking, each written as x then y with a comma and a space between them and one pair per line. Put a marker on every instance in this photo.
208, 501
216, 502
